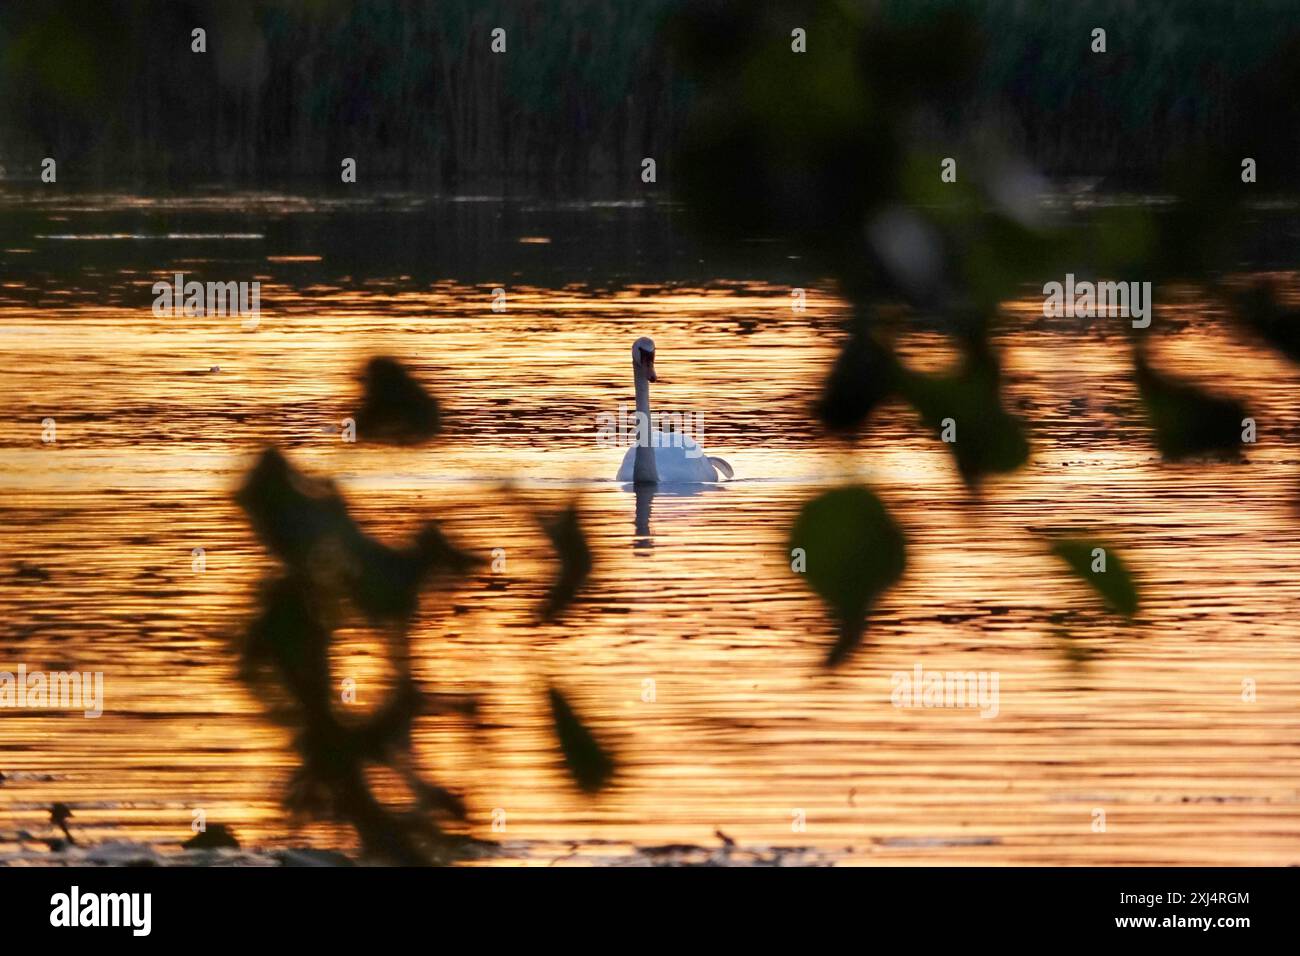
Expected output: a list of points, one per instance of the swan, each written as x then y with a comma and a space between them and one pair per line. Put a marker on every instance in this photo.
659, 456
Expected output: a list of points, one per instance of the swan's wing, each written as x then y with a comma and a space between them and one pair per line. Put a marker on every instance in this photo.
625, 469
722, 465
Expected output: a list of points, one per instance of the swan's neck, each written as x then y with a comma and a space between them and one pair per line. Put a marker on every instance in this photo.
643, 467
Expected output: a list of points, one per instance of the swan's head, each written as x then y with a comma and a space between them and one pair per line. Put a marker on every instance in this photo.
643, 357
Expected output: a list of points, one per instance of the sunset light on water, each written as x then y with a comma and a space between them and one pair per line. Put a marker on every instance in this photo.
444, 439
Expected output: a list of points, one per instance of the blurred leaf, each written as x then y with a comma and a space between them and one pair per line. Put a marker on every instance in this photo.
1115, 585
988, 439
1260, 311
1070, 640
285, 656
291, 512
949, 205
589, 764
999, 256
854, 552
437, 798
395, 409
214, 836
1187, 421
305, 522
911, 256
1123, 239
778, 144
864, 374
566, 534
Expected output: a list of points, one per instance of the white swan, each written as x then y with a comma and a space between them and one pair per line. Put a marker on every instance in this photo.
659, 456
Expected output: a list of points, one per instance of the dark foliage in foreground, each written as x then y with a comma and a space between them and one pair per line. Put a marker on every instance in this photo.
395, 408
332, 570
589, 763
333, 573
839, 155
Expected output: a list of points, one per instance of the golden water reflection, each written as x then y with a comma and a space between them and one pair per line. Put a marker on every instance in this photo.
157, 418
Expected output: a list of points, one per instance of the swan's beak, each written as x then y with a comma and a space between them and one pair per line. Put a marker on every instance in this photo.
648, 363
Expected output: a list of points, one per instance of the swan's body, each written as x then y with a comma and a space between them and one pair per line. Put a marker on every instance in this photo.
659, 456
677, 458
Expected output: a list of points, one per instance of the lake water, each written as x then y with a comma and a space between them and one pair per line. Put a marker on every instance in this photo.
747, 734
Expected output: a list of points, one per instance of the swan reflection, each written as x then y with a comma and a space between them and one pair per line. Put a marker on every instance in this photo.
645, 496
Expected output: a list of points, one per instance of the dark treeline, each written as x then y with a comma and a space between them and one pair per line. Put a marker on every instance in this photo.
584, 91
411, 90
